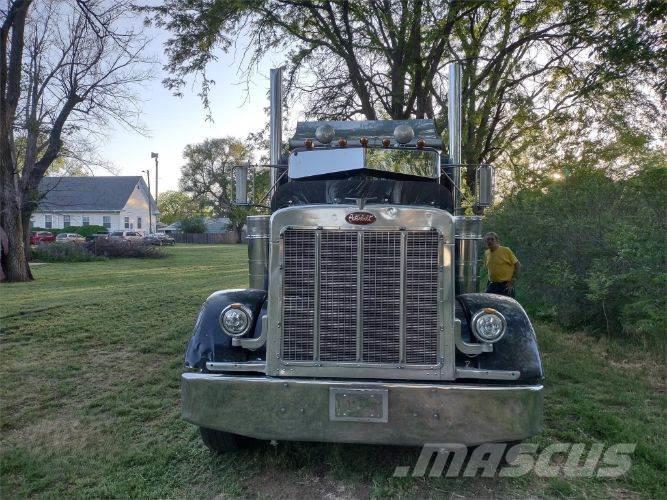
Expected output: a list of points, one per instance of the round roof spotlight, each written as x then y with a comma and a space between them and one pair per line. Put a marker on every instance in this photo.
235, 320
363, 141
325, 133
308, 143
386, 143
404, 134
421, 143
488, 325
342, 142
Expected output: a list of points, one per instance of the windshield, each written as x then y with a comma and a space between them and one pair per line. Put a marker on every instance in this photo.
413, 162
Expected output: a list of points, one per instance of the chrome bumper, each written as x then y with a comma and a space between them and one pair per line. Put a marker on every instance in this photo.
299, 410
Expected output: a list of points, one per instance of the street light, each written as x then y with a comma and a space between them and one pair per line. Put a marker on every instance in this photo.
150, 218
155, 155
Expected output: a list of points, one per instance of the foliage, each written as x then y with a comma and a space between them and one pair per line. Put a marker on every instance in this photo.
92, 355
68, 67
177, 205
592, 249
84, 231
115, 248
193, 225
526, 65
62, 252
208, 176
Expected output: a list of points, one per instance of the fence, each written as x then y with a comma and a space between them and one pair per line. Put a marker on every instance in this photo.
207, 238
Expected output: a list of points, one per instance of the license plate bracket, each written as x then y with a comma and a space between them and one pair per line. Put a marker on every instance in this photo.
358, 405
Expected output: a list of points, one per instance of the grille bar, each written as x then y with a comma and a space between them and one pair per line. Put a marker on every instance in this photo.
360, 296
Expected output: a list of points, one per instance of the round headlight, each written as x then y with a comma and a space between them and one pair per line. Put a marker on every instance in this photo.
235, 320
489, 325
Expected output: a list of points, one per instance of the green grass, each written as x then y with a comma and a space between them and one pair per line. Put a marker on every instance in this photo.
90, 360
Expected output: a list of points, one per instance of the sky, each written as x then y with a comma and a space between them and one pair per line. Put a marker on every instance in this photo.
174, 122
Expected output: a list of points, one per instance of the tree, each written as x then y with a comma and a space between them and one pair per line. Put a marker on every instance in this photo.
66, 69
207, 176
525, 64
177, 205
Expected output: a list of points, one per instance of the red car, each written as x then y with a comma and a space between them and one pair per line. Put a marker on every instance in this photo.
37, 237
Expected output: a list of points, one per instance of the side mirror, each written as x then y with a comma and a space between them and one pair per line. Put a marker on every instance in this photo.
241, 184
485, 181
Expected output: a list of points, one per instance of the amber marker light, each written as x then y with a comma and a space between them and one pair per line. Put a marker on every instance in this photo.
363, 141
421, 143
309, 143
386, 143
342, 142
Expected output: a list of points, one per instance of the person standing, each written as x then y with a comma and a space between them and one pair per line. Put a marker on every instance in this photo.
502, 265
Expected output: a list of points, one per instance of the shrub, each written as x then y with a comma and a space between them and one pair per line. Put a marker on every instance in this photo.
63, 252
193, 225
592, 250
124, 249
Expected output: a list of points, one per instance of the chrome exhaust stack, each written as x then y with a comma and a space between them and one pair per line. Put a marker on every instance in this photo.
468, 230
258, 251
275, 124
454, 119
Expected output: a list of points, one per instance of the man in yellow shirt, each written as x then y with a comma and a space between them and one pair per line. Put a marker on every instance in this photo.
503, 266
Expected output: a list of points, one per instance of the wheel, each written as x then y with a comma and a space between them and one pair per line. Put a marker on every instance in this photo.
222, 442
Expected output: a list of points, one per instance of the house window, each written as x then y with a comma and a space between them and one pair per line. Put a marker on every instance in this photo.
106, 221
48, 221
127, 222
66, 221
86, 220
138, 222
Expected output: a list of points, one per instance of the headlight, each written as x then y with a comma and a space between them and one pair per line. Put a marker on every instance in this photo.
235, 320
489, 325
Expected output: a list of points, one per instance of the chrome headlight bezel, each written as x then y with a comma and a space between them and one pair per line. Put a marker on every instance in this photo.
487, 311
237, 307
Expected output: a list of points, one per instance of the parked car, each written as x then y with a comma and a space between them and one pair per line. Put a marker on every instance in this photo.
37, 237
70, 238
126, 235
97, 236
159, 239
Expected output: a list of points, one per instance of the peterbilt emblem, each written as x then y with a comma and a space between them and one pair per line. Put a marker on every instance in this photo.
360, 218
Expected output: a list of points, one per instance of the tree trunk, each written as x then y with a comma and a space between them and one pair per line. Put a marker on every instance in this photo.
15, 262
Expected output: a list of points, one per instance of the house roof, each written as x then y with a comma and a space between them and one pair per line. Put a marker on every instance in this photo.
81, 194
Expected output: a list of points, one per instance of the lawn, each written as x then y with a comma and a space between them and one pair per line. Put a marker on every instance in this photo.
91, 357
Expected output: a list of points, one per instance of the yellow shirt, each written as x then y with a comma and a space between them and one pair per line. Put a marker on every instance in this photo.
500, 264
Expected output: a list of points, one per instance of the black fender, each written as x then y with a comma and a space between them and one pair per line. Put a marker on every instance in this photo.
210, 343
517, 350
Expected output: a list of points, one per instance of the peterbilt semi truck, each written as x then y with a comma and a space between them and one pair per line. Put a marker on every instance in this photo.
363, 322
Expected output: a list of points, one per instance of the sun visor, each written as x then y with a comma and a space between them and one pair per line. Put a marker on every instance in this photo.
373, 130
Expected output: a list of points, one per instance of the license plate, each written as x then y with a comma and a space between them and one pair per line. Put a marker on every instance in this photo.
359, 405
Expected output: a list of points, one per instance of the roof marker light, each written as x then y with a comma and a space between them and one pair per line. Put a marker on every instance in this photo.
325, 133
404, 134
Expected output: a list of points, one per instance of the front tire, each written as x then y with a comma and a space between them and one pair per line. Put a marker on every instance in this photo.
222, 442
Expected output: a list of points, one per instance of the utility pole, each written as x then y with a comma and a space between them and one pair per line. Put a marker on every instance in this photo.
150, 217
155, 155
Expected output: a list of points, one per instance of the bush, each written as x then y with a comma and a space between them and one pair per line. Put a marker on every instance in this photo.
84, 231
124, 249
592, 250
62, 252
193, 225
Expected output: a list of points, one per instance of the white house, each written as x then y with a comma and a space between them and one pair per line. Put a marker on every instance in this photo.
115, 202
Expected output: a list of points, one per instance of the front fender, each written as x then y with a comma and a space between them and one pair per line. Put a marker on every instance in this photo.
517, 350
210, 343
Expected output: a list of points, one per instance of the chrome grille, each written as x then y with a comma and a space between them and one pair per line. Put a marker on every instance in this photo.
381, 297
299, 294
421, 291
360, 296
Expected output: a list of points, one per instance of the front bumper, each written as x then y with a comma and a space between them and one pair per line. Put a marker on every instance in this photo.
417, 413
